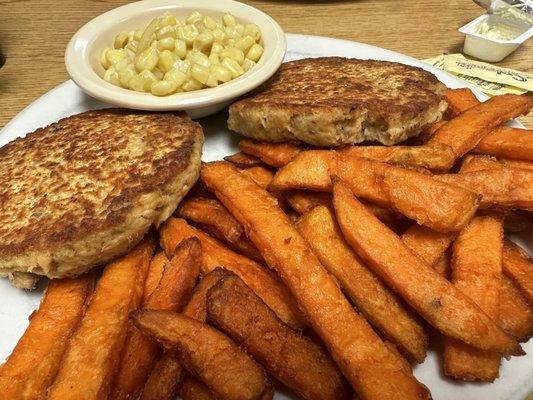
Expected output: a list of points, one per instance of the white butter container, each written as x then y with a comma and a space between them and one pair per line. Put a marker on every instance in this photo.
490, 49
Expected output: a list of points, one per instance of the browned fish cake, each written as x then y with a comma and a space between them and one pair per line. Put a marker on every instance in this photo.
84, 190
334, 101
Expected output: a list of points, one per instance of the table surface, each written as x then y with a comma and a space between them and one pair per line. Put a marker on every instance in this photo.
34, 34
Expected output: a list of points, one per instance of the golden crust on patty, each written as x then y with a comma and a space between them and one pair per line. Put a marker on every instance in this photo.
334, 101
84, 190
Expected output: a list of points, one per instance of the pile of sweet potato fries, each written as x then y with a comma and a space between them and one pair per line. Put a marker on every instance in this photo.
317, 271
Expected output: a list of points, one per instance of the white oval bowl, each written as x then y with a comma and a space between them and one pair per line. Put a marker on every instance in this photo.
82, 56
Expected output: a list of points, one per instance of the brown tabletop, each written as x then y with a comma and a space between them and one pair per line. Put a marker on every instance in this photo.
34, 33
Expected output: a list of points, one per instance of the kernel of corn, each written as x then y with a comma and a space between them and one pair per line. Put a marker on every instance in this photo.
162, 88
253, 31
229, 20
223, 74
114, 56
191, 84
165, 61
255, 52
233, 53
166, 44
180, 48
247, 64
203, 41
111, 76
200, 73
235, 69
219, 36
126, 74
209, 22
166, 31
176, 76
121, 40
147, 78
147, 59
245, 43
212, 81
194, 17
136, 83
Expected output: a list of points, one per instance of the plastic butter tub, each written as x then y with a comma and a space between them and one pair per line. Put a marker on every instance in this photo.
492, 38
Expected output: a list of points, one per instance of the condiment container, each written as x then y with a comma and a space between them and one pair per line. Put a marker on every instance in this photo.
489, 48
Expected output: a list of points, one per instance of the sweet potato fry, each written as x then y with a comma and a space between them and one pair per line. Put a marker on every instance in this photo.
428, 131
501, 188
288, 356
211, 213
436, 299
33, 364
208, 354
243, 160
443, 265
303, 201
517, 164
165, 379
263, 177
464, 132
518, 266
416, 195
460, 100
197, 306
138, 347
259, 175
507, 142
476, 271
273, 154
426, 243
371, 368
516, 315
436, 157
166, 375
191, 389
262, 281
372, 298
92, 356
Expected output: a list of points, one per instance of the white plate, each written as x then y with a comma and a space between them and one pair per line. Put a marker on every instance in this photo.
515, 381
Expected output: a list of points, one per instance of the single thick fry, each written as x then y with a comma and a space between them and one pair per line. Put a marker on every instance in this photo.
501, 188
426, 243
164, 381
243, 160
373, 299
476, 271
431, 295
460, 100
197, 306
371, 368
138, 348
291, 358
273, 154
192, 389
416, 195
436, 157
464, 132
262, 281
259, 175
211, 213
507, 142
35, 360
92, 356
518, 266
208, 354
303, 201
516, 315
517, 164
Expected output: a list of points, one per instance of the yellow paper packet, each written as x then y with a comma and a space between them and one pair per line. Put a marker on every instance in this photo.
488, 87
489, 72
